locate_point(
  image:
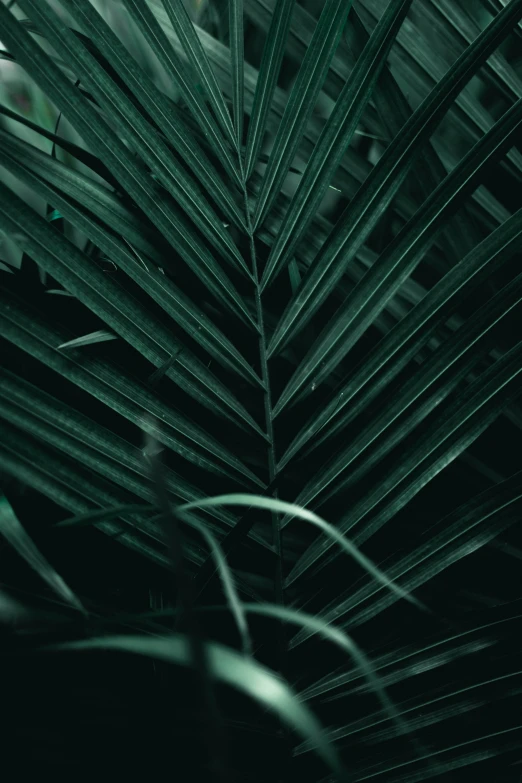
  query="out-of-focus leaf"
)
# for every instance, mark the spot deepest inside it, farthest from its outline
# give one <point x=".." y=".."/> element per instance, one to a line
<point x="12" y="530"/>
<point x="231" y="668"/>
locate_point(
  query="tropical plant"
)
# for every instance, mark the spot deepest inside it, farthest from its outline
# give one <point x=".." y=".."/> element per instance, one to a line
<point x="267" y="276"/>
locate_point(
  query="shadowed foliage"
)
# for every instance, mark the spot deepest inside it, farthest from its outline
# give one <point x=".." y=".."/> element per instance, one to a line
<point x="260" y="423"/>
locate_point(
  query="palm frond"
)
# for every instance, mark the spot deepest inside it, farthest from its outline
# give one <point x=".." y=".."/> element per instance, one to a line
<point x="282" y="242"/>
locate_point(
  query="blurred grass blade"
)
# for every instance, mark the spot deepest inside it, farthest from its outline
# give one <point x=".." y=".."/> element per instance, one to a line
<point x="237" y="58"/>
<point x="89" y="444"/>
<point x="12" y="612"/>
<point x="197" y="57"/>
<point x="235" y="605"/>
<point x="463" y="421"/>
<point x="15" y="534"/>
<point x="275" y="505"/>
<point x="363" y="212"/>
<point x="232" y="669"/>
<point x="335" y="139"/>
<point x="272" y="58"/>
<point x="56" y="479"/>
<point x="89" y="339"/>
<point x="311" y="624"/>
<point x="400" y="258"/>
<point x="301" y="103"/>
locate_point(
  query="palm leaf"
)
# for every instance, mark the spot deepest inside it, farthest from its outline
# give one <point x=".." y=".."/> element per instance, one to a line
<point x="237" y="54"/>
<point x="385" y="180"/>
<point x="301" y="103"/>
<point x="273" y="52"/>
<point x="335" y="139"/>
<point x="192" y="47"/>
<point x="448" y="196"/>
<point x="328" y="230"/>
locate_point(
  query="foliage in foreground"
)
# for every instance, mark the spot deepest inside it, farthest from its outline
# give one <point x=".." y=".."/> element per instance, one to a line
<point x="277" y="259"/>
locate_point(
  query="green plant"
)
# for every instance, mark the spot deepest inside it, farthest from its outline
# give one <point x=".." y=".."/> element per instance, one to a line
<point x="297" y="275"/>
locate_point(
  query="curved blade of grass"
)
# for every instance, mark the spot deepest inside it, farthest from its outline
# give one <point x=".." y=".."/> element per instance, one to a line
<point x="21" y="326"/>
<point x="170" y="298"/>
<point x="458" y="538"/>
<point x="231" y="668"/>
<point x="58" y="472"/>
<point x="301" y="102"/>
<point x="272" y="504"/>
<point x="163" y="112"/>
<point x="118" y="158"/>
<point x="14" y="533"/>
<point x="316" y="625"/>
<point x="41" y="415"/>
<point x="81" y="276"/>
<point x="406" y="661"/>
<point x="362" y="214"/>
<point x="149" y="25"/>
<point x="197" y="57"/>
<point x="237" y="58"/>
<point x="432" y="712"/>
<point x="468" y="416"/>
<point x="335" y="139"/>
<point x="400" y="258"/>
<point x="235" y="605"/>
<point x="271" y="60"/>
<point x="411" y="333"/>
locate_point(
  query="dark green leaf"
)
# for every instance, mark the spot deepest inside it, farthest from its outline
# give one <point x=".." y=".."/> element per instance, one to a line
<point x="335" y="139"/>
<point x="362" y="214"/>
<point x="301" y="102"/>
<point x="400" y="258"/>
<point x="272" y="58"/>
